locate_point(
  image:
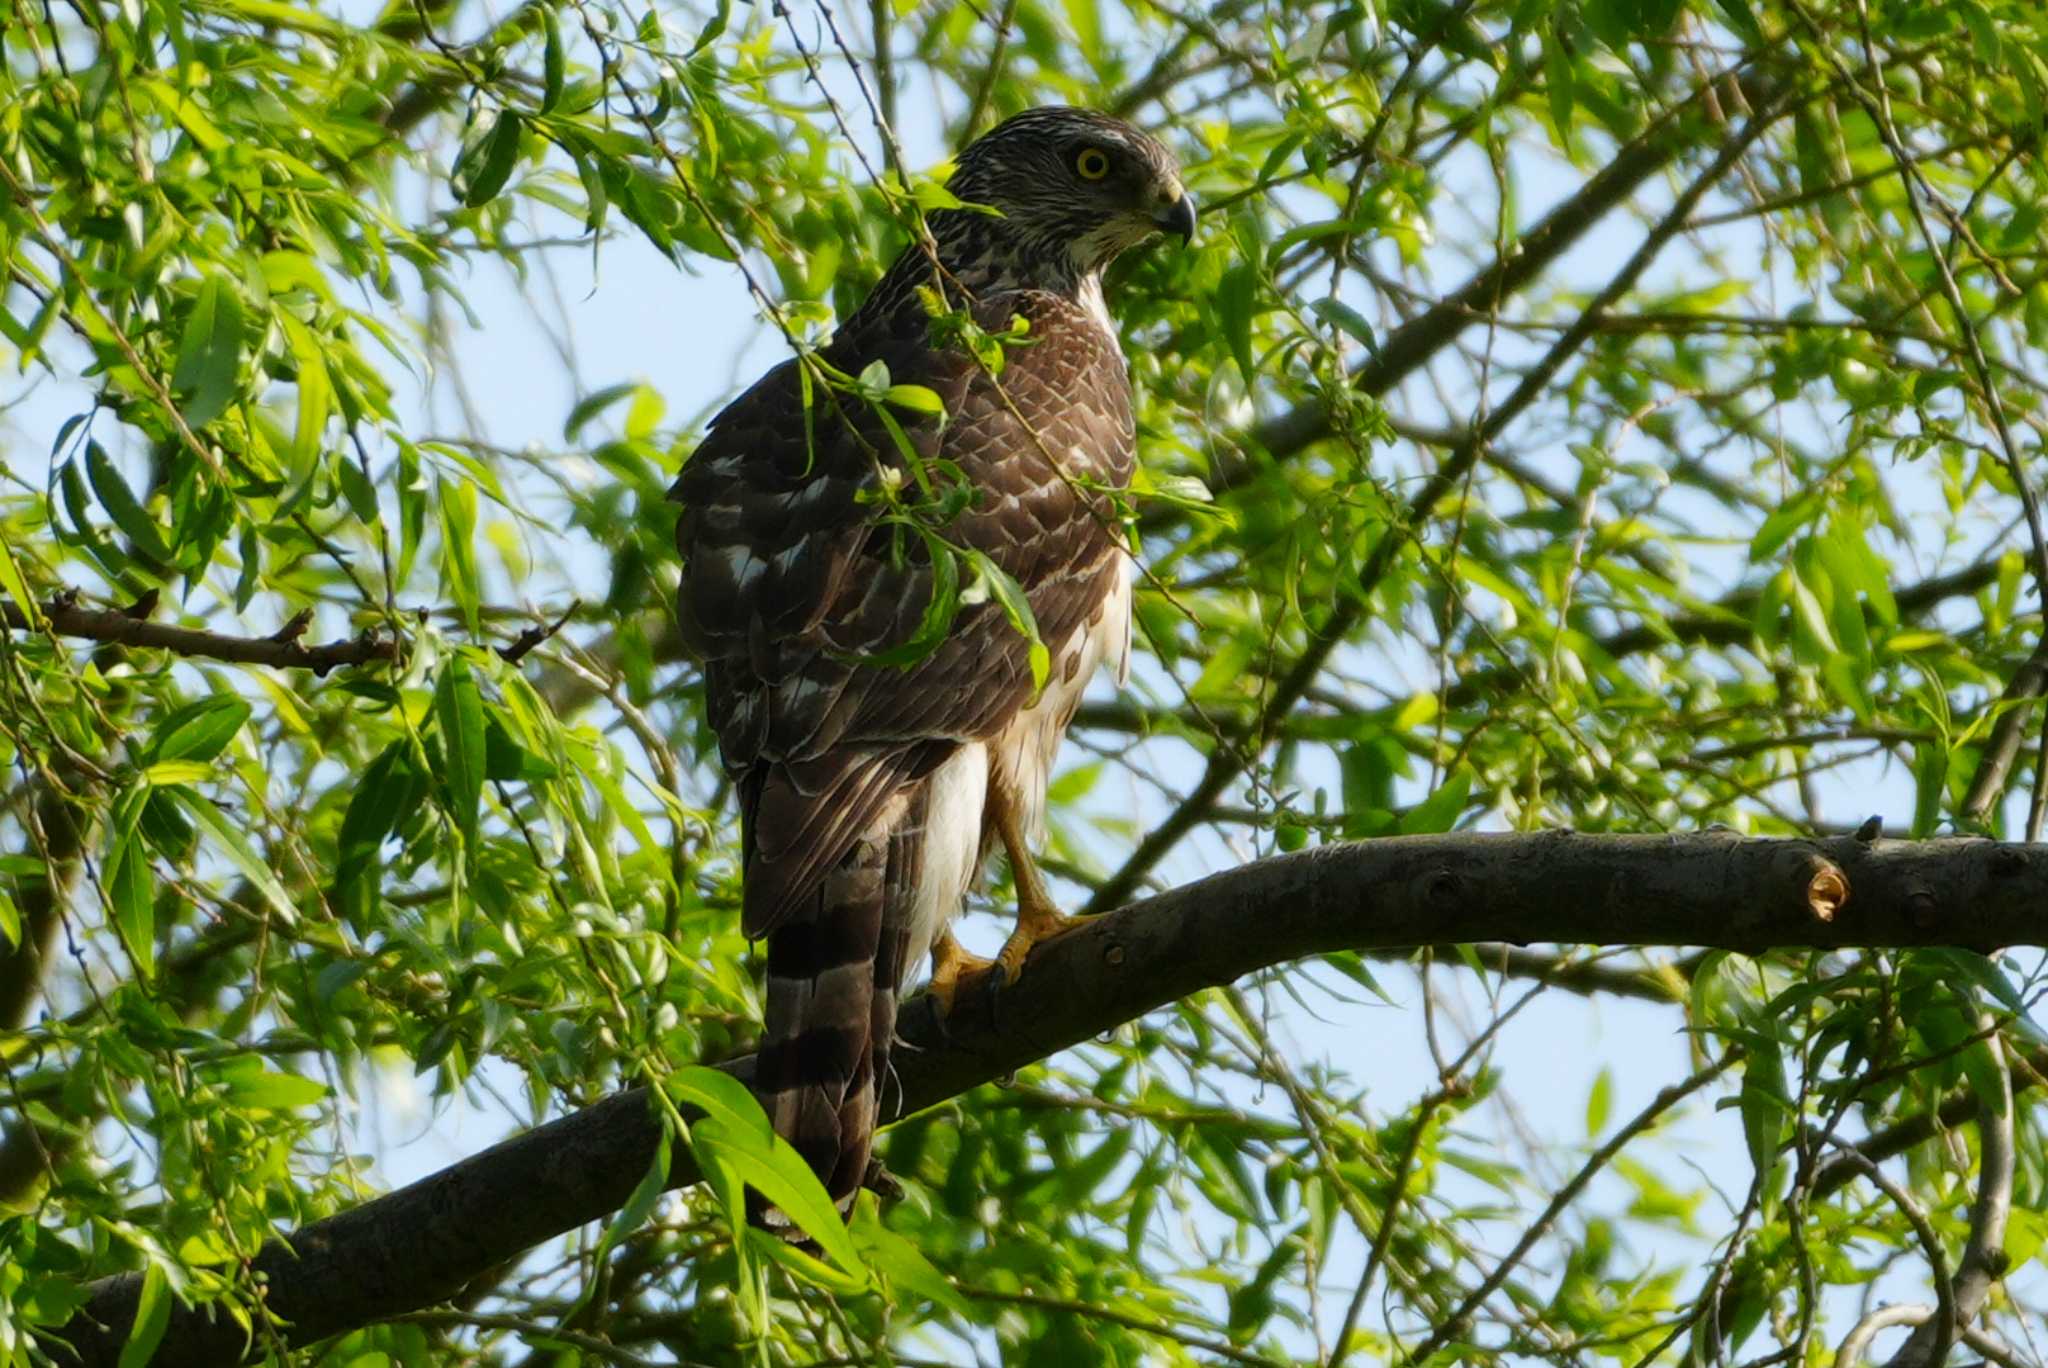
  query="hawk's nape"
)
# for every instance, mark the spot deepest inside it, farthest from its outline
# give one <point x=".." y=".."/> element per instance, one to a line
<point x="871" y="793"/>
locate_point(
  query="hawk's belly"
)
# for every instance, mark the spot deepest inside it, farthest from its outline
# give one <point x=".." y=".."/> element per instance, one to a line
<point x="1025" y="749"/>
<point x="958" y="828"/>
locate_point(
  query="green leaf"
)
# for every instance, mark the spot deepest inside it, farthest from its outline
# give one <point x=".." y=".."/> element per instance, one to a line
<point x="17" y="588"/>
<point x="901" y="1263"/>
<point x="1439" y="812"/>
<point x="459" y="714"/>
<point x="800" y="1264"/>
<point x="457" y="504"/>
<point x="640" y="1204"/>
<point x="487" y="157"/>
<point x="1342" y="316"/>
<point x="209" y="352"/>
<point x="239" y="852"/>
<point x="554" y="66"/>
<point x="1766" y="1112"/>
<point x="165" y="773"/>
<point x="718" y="1094"/>
<point x="917" y="399"/>
<point x="198" y="731"/>
<point x="591" y="405"/>
<point x="121" y="505"/>
<point x="152" y="1318"/>
<point x="940" y="608"/>
<point x="10" y="921"/>
<point x="644" y="414"/>
<point x="268" y="1090"/>
<point x="1599" y="1102"/>
<point x="316" y="392"/>
<point x="1783" y="523"/>
<point x="735" y="1133"/>
<point x="1559" y="84"/>
<point x="131" y="888"/>
<point x="768" y="1164"/>
<point x="1235" y="294"/>
<point x="1009" y="595"/>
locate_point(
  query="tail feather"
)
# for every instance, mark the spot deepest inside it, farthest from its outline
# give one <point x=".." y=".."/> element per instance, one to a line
<point x="835" y="965"/>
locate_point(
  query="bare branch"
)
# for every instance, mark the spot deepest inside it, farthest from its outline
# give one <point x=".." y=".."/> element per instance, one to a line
<point x="1983" y="1261"/>
<point x="281" y="651"/>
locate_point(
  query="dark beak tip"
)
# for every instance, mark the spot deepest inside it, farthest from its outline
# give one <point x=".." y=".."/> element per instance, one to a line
<point x="1178" y="219"/>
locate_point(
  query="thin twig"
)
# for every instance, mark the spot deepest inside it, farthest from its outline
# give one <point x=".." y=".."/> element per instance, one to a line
<point x="1667" y="1098"/>
<point x="1221" y="1348"/>
<point x="536" y="634"/>
<point x="1930" y="1245"/>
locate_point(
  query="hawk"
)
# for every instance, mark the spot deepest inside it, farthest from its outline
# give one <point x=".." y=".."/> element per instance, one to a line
<point x="874" y="776"/>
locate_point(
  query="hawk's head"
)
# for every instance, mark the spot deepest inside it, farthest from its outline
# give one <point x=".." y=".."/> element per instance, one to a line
<point x="1073" y="186"/>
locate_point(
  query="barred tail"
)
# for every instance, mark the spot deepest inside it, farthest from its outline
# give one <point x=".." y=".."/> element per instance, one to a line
<point x="835" y="966"/>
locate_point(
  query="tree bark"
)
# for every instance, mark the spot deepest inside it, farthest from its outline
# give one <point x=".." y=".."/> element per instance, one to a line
<point x="422" y="1244"/>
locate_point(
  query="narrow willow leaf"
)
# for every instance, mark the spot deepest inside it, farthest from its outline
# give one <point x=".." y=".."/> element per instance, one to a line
<point x="803" y="1266"/>
<point x="201" y="730"/>
<point x="772" y="1167"/>
<point x="122" y="506"/>
<point x="593" y="404"/>
<point x="487" y="158"/>
<point x="916" y="398"/>
<point x="210" y="352"/>
<point x="165" y="773"/>
<point x="131" y="888"/>
<point x="1009" y="595"/>
<point x="267" y="1090"/>
<point x="901" y="1262"/>
<point x="940" y="608"/>
<point x="239" y="852"/>
<point x="736" y="1132"/>
<point x="17" y="588"/>
<point x="459" y="715"/>
<point x="152" y="1318"/>
<point x="457" y="504"/>
<point x="1439" y="812"/>
<point x="554" y="67"/>
<point x="316" y="393"/>
<point x="630" y="1217"/>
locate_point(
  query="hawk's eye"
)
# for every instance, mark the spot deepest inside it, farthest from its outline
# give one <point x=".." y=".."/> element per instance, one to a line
<point x="1092" y="163"/>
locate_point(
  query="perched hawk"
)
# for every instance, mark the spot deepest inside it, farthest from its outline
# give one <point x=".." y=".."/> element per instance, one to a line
<point x="870" y="793"/>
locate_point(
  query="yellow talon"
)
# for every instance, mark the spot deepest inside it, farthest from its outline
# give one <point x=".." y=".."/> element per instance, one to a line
<point x="950" y="963"/>
<point x="1038" y="916"/>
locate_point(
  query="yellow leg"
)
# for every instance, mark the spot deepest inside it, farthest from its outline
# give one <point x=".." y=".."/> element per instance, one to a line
<point x="1038" y="917"/>
<point x="951" y="963"/>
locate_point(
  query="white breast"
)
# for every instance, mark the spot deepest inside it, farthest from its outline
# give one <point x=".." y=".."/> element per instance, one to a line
<point x="1021" y="757"/>
<point x="1026" y="749"/>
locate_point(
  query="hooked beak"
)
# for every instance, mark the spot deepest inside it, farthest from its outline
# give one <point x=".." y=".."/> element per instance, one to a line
<point x="1178" y="218"/>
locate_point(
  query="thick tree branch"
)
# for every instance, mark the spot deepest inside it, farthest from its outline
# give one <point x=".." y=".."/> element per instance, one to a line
<point x="420" y="1245"/>
<point x="282" y="651"/>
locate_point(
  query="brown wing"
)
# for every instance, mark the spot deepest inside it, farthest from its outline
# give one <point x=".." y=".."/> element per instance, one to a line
<point x="785" y="576"/>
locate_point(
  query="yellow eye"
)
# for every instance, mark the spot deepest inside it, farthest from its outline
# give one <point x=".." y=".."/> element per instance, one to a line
<point x="1093" y="163"/>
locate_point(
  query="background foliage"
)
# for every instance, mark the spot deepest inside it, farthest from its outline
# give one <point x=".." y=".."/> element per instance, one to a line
<point x="1623" y="415"/>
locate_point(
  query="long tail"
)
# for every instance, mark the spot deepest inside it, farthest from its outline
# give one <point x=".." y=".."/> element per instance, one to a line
<point x="834" y="969"/>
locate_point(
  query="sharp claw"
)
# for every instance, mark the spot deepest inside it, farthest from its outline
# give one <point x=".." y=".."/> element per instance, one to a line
<point x="996" y="978"/>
